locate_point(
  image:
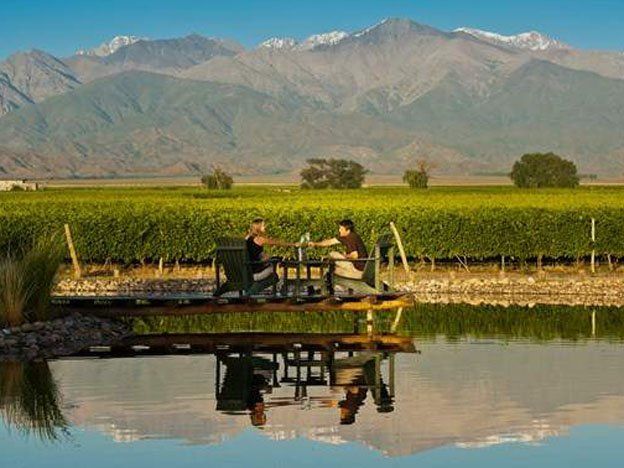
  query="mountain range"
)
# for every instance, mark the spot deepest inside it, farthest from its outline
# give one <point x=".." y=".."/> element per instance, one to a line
<point x="467" y="100"/>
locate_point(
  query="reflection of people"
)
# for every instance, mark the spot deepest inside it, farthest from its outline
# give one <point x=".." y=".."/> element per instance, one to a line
<point x="255" y="401"/>
<point x="256" y="240"/>
<point x="354" y="398"/>
<point x="354" y="247"/>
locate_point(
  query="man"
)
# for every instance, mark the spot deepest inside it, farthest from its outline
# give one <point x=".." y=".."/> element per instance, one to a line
<point x="354" y="248"/>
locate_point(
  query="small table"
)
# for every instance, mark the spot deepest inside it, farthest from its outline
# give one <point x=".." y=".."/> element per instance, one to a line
<point x="309" y="265"/>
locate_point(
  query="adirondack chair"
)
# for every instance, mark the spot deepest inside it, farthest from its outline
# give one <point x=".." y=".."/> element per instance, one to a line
<point x="232" y="255"/>
<point x="371" y="279"/>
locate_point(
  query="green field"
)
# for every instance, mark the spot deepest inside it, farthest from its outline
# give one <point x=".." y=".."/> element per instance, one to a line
<point x="133" y="224"/>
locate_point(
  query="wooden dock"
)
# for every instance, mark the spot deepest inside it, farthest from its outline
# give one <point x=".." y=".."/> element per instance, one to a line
<point x="194" y="304"/>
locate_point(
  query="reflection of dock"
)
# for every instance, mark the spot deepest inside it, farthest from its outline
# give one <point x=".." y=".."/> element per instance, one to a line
<point x="250" y="366"/>
<point x="250" y="342"/>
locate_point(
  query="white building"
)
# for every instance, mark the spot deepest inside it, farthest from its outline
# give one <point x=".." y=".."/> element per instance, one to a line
<point x="8" y="185"/>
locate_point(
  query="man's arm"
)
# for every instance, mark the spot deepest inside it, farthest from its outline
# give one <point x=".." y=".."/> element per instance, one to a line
<point x="325" y="243"/>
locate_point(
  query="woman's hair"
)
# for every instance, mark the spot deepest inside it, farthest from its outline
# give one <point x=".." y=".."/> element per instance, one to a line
<point x="254" y="228"/>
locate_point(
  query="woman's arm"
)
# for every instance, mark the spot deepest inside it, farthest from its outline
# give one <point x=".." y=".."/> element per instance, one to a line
<point x="275" y="242"/>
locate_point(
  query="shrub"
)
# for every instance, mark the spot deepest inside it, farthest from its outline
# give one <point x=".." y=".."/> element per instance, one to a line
<point x="217" y="179"/>
<point x="539" y="170"/>
<point x="333" y="173"/>
<point x="416" y="179"/>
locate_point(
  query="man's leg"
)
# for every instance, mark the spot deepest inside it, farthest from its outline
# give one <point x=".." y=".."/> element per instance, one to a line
<point x="345" y="269"/>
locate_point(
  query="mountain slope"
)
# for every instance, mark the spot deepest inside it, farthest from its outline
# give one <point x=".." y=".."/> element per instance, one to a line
<point x="143" y="123"/>
<point x="164" y="55"/>
<point x="540" y="107"/>
<point x="32" y="77"/>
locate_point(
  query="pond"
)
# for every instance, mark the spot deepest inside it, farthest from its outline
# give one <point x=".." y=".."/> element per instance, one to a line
<point x="431" y="386"/>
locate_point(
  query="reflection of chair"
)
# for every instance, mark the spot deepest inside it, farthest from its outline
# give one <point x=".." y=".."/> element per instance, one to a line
<point x="371" y="279"/>
<point x="242" y="382"/>
<point x="232" y="255"/>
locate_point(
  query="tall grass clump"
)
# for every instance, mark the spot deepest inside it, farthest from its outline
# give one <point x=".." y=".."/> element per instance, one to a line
<point x="14" y="292"/>
<point x="26" y="281"/>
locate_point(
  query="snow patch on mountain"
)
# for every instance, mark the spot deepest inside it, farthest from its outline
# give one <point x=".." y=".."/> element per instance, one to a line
<point x="110" y="47"/>
<point x="531" y="40"/>
<point x="330" y="38"/>
<point x="280" y="43"/>
<point x="363" y="32"/>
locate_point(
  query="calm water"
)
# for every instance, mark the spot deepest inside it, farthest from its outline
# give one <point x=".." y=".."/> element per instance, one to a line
<point x="437" y="387"/>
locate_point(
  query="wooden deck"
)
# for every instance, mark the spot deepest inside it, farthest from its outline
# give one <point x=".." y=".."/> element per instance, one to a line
<point x="194" y="304"/>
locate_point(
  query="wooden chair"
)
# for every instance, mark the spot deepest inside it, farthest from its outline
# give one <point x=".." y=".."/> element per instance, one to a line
<point x="371" y="279"/>
<point x="232" y="255"/>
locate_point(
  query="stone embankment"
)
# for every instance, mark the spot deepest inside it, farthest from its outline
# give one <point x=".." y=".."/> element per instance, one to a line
<point x="588" y="291"/>
<point x="59" y="337"/>
<point x="564" y="289"/>
<point x="131" y="286"/>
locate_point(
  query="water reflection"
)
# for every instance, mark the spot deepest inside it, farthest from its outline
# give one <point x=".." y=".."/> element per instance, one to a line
<point x="30" y="400"/>
<point x="353" y="375"/>
<point x="480" y="378"/>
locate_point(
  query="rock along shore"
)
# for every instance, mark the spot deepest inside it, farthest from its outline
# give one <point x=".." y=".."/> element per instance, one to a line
<point x="59" y="337"/>
<point x="486" y="288"/>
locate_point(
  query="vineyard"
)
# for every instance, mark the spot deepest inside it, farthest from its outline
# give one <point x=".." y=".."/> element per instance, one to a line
<point x="137" y="224"/>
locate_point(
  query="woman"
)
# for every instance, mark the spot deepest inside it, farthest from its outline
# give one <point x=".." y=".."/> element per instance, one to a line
<point x="256" y="240"/>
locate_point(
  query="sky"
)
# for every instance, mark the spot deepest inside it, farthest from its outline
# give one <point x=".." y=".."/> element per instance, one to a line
<point x="62" y="26"/>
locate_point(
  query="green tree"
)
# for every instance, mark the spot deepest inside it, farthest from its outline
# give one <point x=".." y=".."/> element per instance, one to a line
<point x="217" y="179"/>
<point x="419" y="177"/>
<point x="538" y="170"/>
<point x="332" y="173"/>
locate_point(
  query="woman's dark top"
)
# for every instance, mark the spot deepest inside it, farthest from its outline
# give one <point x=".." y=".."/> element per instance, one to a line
<point x="353" y="243"/>
<point x="255" y="255"/>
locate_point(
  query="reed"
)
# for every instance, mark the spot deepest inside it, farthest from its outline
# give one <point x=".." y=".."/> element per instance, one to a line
<point x="26" y="281"/>
<point x="41" y="263"/>
<point x="14" y="290"/>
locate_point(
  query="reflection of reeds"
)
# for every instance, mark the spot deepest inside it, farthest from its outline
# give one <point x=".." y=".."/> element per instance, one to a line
<point x="30" y="400"/>
<point x="542" y="322"/>
<point x="26" y="281"/>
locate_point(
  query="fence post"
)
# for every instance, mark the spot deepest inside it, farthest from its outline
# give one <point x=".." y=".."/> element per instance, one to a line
<point x="72" y="253"/>
<point x="593" y="238"/>
<point x="401" y="249"/>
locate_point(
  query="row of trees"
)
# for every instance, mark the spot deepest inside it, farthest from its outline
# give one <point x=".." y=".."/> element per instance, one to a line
<point x="536" y="170"/>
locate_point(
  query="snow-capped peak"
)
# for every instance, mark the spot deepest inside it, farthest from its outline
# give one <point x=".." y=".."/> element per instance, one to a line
<point x="531" y="40"/>
<point x="110" y="47"/>
<point x="330" y="38"/>
<point x="285" y="43"/>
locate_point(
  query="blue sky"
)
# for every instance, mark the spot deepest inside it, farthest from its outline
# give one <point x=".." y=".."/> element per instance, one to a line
<point x="62" y="26"/>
